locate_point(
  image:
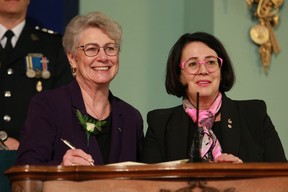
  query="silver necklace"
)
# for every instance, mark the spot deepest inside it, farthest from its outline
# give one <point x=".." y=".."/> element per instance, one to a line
<point x="98" y="117"/>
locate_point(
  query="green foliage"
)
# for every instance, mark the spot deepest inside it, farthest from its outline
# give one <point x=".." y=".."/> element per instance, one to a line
<point x="90" y="125"/>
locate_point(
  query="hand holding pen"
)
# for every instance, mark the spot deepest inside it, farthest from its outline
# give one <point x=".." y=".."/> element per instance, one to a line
<point x="78" y="155"/>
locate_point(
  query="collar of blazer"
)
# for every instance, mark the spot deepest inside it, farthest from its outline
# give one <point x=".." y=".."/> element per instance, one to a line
<point x="230" y="123"/>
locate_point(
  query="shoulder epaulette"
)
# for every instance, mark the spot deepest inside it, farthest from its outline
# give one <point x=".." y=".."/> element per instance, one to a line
<point x="45" y="30"/>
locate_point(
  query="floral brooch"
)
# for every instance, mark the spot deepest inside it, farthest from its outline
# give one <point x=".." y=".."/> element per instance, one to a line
<point x="90" y="125"/>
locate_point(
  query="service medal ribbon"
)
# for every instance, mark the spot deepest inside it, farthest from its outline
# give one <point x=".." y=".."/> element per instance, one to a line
<point x="37" y="66"/>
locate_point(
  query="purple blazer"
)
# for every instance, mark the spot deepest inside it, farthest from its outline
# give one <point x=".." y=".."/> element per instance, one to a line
<point x="51" y="116"/>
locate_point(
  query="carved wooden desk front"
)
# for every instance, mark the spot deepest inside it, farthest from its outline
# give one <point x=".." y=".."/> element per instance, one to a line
<point x="208" y="177"/>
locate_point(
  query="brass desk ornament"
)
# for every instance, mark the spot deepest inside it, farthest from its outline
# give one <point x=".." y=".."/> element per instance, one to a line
<point x="267" y="13"/>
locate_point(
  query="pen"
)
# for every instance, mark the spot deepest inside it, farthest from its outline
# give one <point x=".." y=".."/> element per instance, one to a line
<point x="68" y="144"/>
<point x="72" y="147"/>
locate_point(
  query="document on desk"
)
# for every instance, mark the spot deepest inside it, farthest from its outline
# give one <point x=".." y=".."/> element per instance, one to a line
<point x="125" y="163"/>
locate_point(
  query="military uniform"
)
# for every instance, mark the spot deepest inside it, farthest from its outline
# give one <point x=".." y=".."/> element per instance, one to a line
<point x="37" y="63"/>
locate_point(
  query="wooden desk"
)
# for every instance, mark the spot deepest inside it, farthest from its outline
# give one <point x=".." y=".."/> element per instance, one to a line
<point x="209" y="177"/>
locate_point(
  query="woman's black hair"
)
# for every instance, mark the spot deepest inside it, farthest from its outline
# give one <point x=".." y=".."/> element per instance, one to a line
<point x="173" y="71"/>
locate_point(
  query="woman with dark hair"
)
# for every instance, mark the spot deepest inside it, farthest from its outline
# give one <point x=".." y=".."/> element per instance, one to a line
<point x="200" y="71"/>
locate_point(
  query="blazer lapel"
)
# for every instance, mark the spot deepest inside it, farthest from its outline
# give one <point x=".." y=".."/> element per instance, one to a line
<point x="178" y="134"/>
<point x="117" y="128"/>
<point x="78" y="103"/>
<point x="230" y="126"/>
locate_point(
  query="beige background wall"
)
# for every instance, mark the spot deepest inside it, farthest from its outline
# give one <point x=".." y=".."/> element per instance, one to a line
<point x="152" y="26"/>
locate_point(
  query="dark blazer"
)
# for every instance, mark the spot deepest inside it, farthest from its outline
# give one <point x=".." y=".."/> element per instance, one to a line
<point x="246" y="132"/>
<point x="16" y="88"/>
<point x="52" y="116"/>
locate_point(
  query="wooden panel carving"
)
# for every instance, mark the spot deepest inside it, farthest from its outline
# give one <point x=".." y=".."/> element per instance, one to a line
<point x="262" y="34"/>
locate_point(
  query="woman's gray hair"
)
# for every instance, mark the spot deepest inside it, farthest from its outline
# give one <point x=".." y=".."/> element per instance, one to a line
<point x="79" y="23"/>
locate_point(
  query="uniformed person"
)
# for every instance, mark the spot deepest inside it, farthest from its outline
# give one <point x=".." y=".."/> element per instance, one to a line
<point x="35" y="63"/>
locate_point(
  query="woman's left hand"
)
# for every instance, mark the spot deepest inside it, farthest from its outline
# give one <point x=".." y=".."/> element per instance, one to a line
<point x="228" y="158"/>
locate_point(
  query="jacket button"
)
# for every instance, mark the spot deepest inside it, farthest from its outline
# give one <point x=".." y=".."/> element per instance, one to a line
<point x="9" y="71"/>
<point x="7" y="94"/>
<point x="7" y="118"/>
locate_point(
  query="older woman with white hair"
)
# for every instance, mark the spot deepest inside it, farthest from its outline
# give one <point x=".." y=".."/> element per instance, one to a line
<point x="84" y="123"/>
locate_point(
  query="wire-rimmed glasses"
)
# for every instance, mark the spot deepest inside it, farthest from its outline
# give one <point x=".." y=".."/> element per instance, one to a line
<point x="211" y="63"/>
<point x="92" y="49"/>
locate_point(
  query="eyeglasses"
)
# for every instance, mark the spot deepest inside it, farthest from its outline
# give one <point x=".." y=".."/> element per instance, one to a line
<point x="92" y="49"/>
<point x="211" y="63"/>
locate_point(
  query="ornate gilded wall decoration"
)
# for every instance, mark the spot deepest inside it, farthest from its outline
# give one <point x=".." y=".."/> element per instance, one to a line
<point x="267" y="14"/>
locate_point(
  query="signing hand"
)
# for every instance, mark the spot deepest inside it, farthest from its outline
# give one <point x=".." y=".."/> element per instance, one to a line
<point x="75" y="157"/>
<point x="228" y="158"/>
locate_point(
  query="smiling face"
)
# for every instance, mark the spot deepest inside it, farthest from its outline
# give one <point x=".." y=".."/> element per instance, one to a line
<point x="96" y="70"/>
<point x="207" y="84"/>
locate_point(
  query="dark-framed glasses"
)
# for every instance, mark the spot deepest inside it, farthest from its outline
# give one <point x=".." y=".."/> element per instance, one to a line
<point x="92" y="49"/>
<point x="211" y="63"/>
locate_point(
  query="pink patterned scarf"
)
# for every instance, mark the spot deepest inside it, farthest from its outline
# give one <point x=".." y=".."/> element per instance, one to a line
<point x="209" y="143"/>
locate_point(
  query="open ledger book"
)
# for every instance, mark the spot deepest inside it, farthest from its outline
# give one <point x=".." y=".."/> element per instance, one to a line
<point x="137" y="163"/>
